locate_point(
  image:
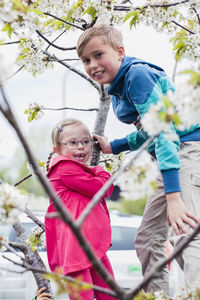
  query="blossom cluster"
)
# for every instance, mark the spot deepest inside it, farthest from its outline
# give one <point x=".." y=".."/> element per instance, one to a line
<point x="11" y="202"/>
<point x="152" y="122"/>
<point x="140" y="179"/>
<point x="186" y="100"/>
<point x="112" y="162"/>
<point x="37" y="239"/>
<point x="3" y="243"/>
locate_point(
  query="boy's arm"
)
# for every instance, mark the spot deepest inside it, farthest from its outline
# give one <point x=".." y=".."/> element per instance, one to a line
<point x="119" y="145"/>
<point x="166" y="150"/>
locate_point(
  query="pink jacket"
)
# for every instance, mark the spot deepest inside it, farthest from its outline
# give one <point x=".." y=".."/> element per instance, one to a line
<point x="76" y="184"/>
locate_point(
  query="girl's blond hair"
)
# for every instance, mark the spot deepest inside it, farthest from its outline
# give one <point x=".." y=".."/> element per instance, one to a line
<point x="56" y="133"/>
<point x="110" y="35"/>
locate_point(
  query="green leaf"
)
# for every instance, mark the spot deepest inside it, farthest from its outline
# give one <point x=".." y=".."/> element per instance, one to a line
<point x="9" y="29"/>
<point x="91" y="11"/>
<point x="128" y="16"/>
<point x="22" y="57"/>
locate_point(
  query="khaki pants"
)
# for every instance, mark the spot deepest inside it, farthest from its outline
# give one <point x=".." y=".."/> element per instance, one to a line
<point x="154" y="228"/>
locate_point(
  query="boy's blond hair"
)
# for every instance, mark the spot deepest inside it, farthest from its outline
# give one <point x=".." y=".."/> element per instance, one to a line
<point x="110" y="35"/>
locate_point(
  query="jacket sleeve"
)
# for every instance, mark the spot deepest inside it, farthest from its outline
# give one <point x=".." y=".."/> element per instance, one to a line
<point x="101" y="173"/>
<point x="75" y="177"/>
<point x="144" y="88"/>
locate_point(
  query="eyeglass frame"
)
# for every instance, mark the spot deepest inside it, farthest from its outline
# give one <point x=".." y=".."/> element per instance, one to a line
<point x="91" y="141"/>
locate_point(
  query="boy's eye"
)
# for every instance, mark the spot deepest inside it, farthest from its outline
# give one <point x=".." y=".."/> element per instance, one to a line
<point x="98" y="55"/>
<point x="86" y="61"/>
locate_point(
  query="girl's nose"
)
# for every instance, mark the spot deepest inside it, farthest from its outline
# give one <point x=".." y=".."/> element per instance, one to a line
<point x="80" y="144"/>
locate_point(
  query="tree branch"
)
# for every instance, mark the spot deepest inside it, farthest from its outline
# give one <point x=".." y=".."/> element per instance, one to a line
<point x="196" y="12"/>
<point x="13" y="74"/>
<point x="128" y="8"/>
<point x="183" y="27"/>
<point x="62" y="20"/>
<point x="163" y="262"/>
<point x="35" y="219"/>
<point x="71" y="108"/>
<point x="52" y="44"/>
<point x="73" y="70"/>
<point x="65" y="215"/>
<point x="10" y="43"/>
<point x="57" y="38"/>
<point x="27" y="267"/>
<point x="97" y="197"/>
<point x="23" y="179"/>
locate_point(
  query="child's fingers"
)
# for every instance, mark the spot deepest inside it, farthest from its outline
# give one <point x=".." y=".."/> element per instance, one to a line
<point x="40" y="291"/>
<point x="46" y="296"/>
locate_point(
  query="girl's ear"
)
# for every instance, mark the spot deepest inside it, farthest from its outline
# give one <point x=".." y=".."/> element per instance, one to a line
<point x="56" y="150"/>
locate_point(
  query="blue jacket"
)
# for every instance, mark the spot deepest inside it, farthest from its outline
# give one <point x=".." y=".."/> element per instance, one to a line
<point x="136" y="86"/>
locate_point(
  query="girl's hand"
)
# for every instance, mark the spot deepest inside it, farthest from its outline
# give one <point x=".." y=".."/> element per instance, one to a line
<point x="178" y="215"/>
<point x="104" y="143"/>
<point x="43" y="296"/>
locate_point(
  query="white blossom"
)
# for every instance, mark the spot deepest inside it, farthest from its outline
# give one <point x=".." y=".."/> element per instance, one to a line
<point x="37" y="239"/>
<point x="187" y="102"/>
<point x="140" y="179"/>
<point x="3" y="243"/>
<point x="11" y="202"/>
<point x="151" y="122"/>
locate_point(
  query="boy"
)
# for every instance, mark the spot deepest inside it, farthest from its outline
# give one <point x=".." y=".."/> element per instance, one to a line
<point x="134" y="85"/>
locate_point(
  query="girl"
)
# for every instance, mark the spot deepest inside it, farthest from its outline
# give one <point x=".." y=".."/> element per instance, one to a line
<point x="75" y="183"/>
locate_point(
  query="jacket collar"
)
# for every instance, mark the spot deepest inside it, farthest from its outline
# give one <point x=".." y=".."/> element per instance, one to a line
<point x="58" y="158"/>
<point x="117" y="86"/>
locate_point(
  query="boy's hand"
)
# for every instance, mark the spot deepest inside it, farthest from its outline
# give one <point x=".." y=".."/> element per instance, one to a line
<point x="104" y="143"/>
<point x="43" y="296"/>
<point x="178" y="215"/>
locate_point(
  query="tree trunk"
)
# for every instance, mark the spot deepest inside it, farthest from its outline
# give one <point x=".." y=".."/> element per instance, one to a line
<point x="32" y="258"/>
<point x="99" y="126"/>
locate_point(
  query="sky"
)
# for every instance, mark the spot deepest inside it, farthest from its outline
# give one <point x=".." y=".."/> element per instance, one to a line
<point x="58" y="87"/>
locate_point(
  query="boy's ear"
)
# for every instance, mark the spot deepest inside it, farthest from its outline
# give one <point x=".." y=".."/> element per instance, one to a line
<point x="121" y="51"/>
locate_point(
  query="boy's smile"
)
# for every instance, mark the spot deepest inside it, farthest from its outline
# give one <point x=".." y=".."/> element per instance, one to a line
<point x="101" y="60"/>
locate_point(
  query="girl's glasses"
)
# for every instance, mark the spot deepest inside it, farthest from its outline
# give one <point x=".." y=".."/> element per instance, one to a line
<point x="74" y="144"/>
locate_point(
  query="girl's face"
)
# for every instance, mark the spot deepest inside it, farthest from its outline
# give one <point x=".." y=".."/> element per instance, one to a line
<point x="75" y="143"/>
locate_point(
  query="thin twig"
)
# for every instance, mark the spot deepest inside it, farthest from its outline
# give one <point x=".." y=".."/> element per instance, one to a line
<point x="71" y="108"/>
<point x="13" y="74"/>
<point x="57" y="38"/>
<point x="196" y="12"/>
<point x="53" y="57"/>
<point x="97" y="197"/>
<point x="64" y="21"/>
<point x="128" y="8"/>
<point x="163" y="262"/>
<point x="183" y="27"/>
<point x="27" y="267"/>
<point x="10" y="43"/>
<point x="23" y="179"/>
<point x="174" y="71"/>
<point x="35" y="219"/>
<point x="52" y="44"/>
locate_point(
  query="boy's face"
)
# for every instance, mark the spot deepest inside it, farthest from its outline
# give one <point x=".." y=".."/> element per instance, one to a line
<point x="101" y="60"/>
